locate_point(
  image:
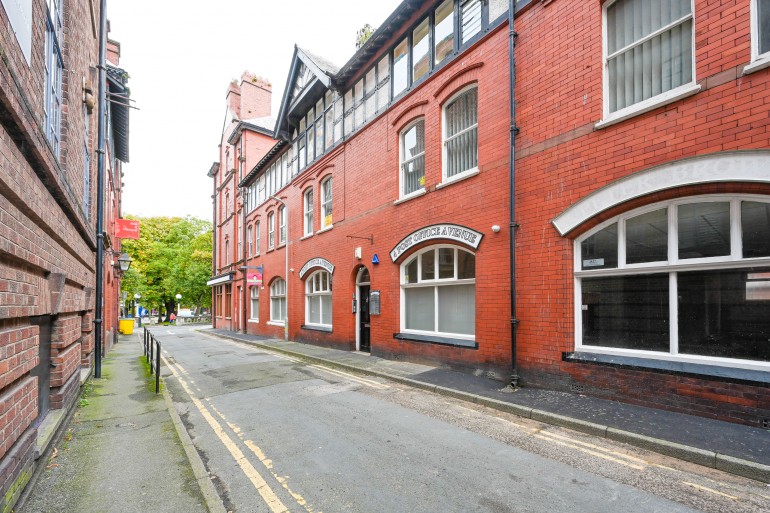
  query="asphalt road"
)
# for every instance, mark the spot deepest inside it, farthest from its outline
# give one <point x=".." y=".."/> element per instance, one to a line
<point x="277" y="434"/>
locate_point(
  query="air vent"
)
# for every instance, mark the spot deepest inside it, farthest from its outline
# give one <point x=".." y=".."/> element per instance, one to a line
<point x="764" y="423"/>
<point x="577" y="388"/>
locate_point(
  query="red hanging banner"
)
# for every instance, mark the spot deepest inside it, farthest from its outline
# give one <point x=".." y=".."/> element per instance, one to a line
<point x="126" y="229"/>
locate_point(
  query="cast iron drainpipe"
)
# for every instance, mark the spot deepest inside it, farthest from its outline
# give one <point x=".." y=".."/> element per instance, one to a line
<point x="244" y="198"/>
<point x="99" y="300"/>
<point x="514" y="130"/>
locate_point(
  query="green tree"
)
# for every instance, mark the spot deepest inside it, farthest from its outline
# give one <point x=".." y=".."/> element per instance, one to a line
<point x="172" y="256"/>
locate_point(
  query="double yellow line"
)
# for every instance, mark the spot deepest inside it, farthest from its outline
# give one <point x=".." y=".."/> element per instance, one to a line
<point x="263" y="488"/>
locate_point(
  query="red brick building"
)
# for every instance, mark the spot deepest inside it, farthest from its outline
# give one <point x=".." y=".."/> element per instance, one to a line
<point x="642" y="215"/>
<point x="48" y="170"/>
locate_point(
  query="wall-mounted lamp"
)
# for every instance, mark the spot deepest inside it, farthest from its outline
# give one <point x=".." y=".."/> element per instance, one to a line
<point x="496" y="228"/>
<point x="123" y="263"/>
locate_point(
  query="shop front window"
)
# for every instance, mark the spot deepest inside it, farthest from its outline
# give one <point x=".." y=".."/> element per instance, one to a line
<point x="683" y="280"/>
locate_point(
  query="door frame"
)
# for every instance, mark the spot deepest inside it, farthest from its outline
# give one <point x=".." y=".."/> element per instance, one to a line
<point x="358" y="285"/>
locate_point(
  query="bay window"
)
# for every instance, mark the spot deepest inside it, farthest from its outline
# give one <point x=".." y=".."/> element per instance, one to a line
<point x="685" y="280"/>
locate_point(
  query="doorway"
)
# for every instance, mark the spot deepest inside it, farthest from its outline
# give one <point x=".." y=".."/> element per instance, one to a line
<point x="362" y="316"/>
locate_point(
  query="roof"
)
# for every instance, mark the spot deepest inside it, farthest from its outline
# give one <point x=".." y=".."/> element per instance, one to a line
<point x="213" y="170"/>
<point x="272" y="152"/>
<point x="118" y="96"/>
<point x="262" y="125"/>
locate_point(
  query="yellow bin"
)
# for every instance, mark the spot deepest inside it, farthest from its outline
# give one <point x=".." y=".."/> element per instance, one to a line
<point x="126" y="326"/>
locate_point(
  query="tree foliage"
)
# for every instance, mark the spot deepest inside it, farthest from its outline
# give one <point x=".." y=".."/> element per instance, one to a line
<point x="172" y="256"/>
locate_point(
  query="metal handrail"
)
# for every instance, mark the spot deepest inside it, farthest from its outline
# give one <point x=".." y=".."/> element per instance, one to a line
<point x="152" y="353"/>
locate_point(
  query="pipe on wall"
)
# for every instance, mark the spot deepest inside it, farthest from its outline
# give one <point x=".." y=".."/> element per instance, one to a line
<point x="512" y="188"/>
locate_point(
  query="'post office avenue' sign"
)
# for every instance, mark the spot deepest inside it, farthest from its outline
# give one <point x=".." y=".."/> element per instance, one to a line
<point x="452" y="232"/>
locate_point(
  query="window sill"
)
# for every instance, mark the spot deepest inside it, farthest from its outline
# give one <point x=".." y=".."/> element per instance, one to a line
<point x="411" y="196"/>
<point x="253" y="321"/>
<point x="761" y="62"/>
<point x="686" y="369"/>
<point x="433" y="339"/>
<point x="282" y="245"/>
<point x="325" y="229"/>
<point x="306" y="236"/>
<point x="316" y="327"/>
<point x="458" y="178"/>
<point x="649" y="104"/>
<point x="276" y="323"/>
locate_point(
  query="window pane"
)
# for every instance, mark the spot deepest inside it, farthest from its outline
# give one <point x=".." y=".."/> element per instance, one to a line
<point x="471" y="19"/>
<point x="457" y="309"/>
<point x="444" y="30"/>
<point x="497" y="8"/>
<point x="348" y="112"/>
<point x="420" y="308"/>
<point x="628" y="312"/>
<point x="725" y="314"/>
<point x="755" y="221"/>
<point x="326" y="309"/>
<point x="763" y="13"/>
<point x="400" y="67"/>
<point x="446" y="263"/>
<point x="310" y="144"/>
<point x="420" y="50"/>
<point x="411" y="272"/>
<point x="647" y="237"/>
<point x="600" y="250"/>
<point x="370" y="94"/>
<point x="429" y="265"/>
<point x="358" y="98"/>
<point x="466" y="265"/>
<point x="383" y="83"/>
<point x="314" y="309"/>
<point x="704" y="230"/>
<point x="461" y="133"/>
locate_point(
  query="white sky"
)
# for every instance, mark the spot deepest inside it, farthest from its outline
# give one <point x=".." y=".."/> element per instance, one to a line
<point x="181" y="56"/>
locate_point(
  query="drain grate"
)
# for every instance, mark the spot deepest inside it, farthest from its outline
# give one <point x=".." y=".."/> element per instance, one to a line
<point x="577" y="388"/>
<point x="765" y="423"/>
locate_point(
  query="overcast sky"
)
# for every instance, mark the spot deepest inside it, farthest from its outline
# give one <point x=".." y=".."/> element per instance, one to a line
<point x="181" y="56"/>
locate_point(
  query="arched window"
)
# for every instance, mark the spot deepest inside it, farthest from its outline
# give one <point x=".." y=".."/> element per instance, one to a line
<point x="326" y="203"/>
<point x="254" y="303"/>
<point x="258" y="244"/>
<point x="461" y="143"/>
<point x="685" y="280"/>
<point x="412" y="143"/>
<point x="278" y="301"/>
<point x="438" y="292"/>
<point x="281" y="225"/>
<point x="250" y="239"/>
<point x="318" y="299"/>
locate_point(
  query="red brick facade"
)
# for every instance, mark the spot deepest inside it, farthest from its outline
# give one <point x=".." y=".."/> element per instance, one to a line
<point x="48" y="228"/>
<point x="567" y="152"/>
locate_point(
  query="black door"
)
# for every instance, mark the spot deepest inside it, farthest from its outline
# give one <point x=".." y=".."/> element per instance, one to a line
<point x="43" y="369"/>
<point x="363" y="319"/>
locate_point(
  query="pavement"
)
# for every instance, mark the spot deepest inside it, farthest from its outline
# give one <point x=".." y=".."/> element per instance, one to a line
<point x="125" y="449"/>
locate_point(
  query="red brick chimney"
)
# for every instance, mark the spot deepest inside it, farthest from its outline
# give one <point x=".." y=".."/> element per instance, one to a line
<point x="234" y="98"/>
<point x="256" y="96"/>
<point x="113" y="52"/>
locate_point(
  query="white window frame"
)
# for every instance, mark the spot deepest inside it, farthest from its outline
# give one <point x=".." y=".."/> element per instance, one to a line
<point x="281" y="225"/>
<point x="327" y="202"/>
<point x="468" y="172"/>
<point x="271" y="231"/>
<point x="250" y="239"/>
<point x="758" y="60"/>
<point x="54" y="71"/>
<point x="307" y="200"/>
<point x="402" y="161"/>
<point x="254" y="301"/>
<point x="673" y="265"/>
<point x="435" y="283"/>
<point x="313" y="288"/>
<point x="278" y="293"/>
<point x="649" y="104"/>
